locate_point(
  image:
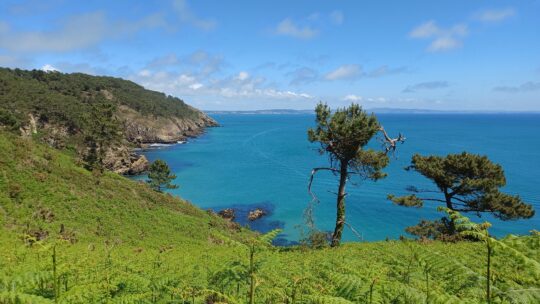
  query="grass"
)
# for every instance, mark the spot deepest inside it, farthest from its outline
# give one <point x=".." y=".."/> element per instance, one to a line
<point x="115" y="240"/>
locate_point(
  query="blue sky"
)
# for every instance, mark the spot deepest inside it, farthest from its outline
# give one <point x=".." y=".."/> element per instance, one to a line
<point x="240" y="55"/>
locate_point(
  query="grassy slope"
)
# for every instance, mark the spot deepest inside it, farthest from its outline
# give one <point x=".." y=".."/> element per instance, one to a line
<point x="138" y="246"/>
<point x="44" y="188"/>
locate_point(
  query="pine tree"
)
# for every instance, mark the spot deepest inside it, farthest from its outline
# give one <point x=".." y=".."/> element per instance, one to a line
<point x="102" y="132"/>
<point x="466" y="183"/>
<point x="160" y="176"/>
<point x="343" y="136"/>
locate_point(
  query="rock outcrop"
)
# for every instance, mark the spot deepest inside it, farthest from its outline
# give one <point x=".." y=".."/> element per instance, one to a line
<point x="141" y="129"/>
<point x="122" y="161"/>
<point x="256" y="214"/>
<point x="228" y="214"/>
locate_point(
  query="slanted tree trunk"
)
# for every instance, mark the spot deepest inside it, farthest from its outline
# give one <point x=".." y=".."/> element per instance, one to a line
<point x="449" y="205"/>
<point x="340" y="214"/>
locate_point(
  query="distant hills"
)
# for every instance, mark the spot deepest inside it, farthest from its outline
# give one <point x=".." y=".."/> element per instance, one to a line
<point x="374" y="110"/>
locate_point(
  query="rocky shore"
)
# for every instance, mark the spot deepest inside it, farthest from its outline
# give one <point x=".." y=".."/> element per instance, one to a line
<point x="143" y="132"/>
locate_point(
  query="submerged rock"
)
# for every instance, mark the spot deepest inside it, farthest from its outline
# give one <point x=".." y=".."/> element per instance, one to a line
<point x="256" y="214"/>
<point x="228" y="214"/>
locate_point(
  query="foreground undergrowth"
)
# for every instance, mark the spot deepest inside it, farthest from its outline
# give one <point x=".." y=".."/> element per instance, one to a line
<point x="67" y="236"/>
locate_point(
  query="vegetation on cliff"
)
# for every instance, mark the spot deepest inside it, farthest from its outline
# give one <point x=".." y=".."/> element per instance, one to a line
<point x="65" y="98"/>
<point x="59" y="108"/>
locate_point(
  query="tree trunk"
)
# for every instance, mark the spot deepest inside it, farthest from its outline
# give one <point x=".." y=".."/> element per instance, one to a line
<point x="340" y="214"/>
<point x="449" y="205"/>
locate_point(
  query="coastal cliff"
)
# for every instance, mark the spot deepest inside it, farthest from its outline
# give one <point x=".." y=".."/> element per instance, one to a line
<point x="54" y="107"/>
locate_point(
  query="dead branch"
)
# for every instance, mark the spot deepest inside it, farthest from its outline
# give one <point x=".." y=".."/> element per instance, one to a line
<point x="389" y="143"/>
<point x="358" y="235"/>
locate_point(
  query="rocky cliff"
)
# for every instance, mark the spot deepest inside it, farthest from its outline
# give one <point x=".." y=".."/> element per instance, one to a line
<point x="141" y="129"/>
<point x="55" y="107"/>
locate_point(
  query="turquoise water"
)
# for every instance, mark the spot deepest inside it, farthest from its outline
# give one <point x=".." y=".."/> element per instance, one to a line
<point x="265" y="160"/>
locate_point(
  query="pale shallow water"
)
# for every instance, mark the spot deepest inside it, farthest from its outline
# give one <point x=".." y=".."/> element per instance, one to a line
<point x="265" y="160"/>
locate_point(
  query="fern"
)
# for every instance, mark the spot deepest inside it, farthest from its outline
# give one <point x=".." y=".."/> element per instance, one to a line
<point x="13" y="297"/>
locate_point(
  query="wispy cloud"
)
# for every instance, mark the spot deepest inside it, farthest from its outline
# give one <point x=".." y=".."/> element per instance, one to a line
<point x="386" y="70"/>
<point x="310" y="26"/>
<point x="525" y="87"/>
<point x="430" y="85"/>
<point x="495" y="15"/>
<point x="353" y="98"/>
<point x="194" y="81"/>
<point x="76" y="32"/>
<point x="287" y="27"/>
<point x="442" y="39"/>
<point x="201" y="61"/>
<point x="345" y="72"/>
<point x="186" y="15"/>
<point x="303" y="75"/>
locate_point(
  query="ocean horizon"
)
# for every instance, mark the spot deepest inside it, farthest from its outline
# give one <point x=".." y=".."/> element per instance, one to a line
<point x="265" y="161"/>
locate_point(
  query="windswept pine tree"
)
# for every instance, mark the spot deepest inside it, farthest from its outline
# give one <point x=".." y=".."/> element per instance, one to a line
<point x="160" y="177"/>
<point x="464" y="182"/>
<point x="343" y="135"/>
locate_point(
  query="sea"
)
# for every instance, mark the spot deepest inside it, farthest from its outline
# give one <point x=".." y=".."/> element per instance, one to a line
<point x="265" y="161"/>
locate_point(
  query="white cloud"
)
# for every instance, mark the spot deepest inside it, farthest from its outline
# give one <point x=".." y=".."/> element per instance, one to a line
<point x="196" y="86"/>
<point x="77" y="32"/>
<point x="349" y="71"/>
<point x="288" y="28"/>
<point x="238" y="86"/>
<point x="49" y="68"/>
<point x="496" y="15"/>
<point x="337" y="17"/>
<point x="242" y="76"/>
<point x="353" y="98"/>
<point x="444" y="43"/>
<point x="186" y="15"/>
<point x="442" y="39"/>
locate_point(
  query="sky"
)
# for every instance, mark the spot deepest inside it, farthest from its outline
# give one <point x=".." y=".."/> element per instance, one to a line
<point x="248" y="55"/>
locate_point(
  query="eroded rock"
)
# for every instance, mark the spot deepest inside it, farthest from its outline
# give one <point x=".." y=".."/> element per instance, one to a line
<point x="256" y="214"/>
<point x="228" y="214"/>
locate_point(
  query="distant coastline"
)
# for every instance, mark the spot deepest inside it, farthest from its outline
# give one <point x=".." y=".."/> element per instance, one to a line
<point x="374" y="110"/>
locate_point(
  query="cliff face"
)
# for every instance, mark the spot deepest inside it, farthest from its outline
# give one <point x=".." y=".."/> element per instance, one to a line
<point x="142" y="129"/>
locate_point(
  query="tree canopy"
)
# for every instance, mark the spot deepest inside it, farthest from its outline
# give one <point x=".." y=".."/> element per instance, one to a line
<point x="160" y="177"/>
<point x="465" y="182"/>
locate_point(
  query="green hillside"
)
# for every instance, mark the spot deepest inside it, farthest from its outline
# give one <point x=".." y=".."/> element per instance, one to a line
<point x="65" y="110"/>
<point x="67" y="237"/>
<point x="65" y="98"/>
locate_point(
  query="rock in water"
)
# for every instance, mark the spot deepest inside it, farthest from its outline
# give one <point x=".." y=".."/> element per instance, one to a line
<point x="256" y="214"/>
<point x="227" y="214"/>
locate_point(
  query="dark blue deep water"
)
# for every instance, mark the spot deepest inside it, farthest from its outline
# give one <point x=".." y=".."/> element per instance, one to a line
<point x="265" y="160"/>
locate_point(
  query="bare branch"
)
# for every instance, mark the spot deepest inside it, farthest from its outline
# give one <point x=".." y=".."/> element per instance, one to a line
<point x="313" y="172"/>
<point x="389" y="143"/>
<point x="358" y="235"/>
